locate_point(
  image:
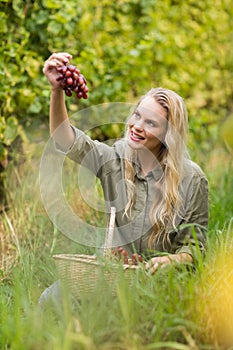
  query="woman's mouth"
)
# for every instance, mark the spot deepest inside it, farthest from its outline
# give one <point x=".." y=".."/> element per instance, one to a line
<point x="136" y="137"/>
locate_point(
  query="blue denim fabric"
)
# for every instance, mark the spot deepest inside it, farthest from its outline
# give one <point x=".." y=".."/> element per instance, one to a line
<point x="51" y="295"/>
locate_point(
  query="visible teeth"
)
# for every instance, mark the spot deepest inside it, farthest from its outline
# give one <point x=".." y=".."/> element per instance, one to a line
<point x="137" y="137"/>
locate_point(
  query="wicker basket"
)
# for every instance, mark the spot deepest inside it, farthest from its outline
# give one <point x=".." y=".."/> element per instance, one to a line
<point x="81" y="273"/>
<point x="78" y="272"/>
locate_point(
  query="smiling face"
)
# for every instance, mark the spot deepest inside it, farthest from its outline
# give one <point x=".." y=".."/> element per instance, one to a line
<point x="147" y="126"/>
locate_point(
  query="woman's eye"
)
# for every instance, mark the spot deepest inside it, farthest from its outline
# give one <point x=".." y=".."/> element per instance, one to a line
<point x="136" y="115"/>
<point x="150" y="123"/>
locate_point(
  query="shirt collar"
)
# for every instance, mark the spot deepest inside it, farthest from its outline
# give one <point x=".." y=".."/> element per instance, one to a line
<point x="156" y="173"/>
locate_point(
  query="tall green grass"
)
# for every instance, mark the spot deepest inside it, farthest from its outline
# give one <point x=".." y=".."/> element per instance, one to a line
<point x="164" y="311"/>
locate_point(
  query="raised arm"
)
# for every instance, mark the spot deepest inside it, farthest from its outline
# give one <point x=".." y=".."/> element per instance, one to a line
<point x="60" y="128"/>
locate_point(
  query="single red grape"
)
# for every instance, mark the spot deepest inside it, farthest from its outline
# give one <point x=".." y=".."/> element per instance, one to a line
<point x="75" y="76"/>
<point x="71" y="68"/>
<point x="82" y="76"/>
<point x="79" y="94"/>
<point x="81" y="86"/>
<point x="64" y="69"/>
<point x="60" y="69"/>
<point x="59" y="77"/>
<point x="68" y="73"/>
<point x="140" y="258"/>
<point x="124" y="252"/>
<point x="68" y="92"/>
<point x="81" y="80"/>
<point x="134" y="259"/>
<point x="69" y="81"/>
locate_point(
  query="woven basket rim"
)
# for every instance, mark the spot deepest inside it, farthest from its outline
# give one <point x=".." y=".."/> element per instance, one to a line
<point x="88" y="259"/>
<point x="93" y="260"/>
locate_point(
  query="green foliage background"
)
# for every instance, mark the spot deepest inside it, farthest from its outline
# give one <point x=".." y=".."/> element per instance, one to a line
<point x="124" y="48"/>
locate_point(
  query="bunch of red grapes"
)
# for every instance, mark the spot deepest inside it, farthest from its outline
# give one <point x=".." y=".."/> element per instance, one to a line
<point x="122" y="254"/>
<point x="71" y="80"/>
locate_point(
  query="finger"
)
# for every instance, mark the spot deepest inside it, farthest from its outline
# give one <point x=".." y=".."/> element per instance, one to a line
<point x="63" y="57"/>
<point x="52" y="63"/>
<point x="59" y="54"/>
<point x="149" y="264"/>
<point x="154" y="268"/>
<point x="49" y="65"/>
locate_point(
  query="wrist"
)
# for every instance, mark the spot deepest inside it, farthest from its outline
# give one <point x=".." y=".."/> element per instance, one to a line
<point x="56" y="89"/>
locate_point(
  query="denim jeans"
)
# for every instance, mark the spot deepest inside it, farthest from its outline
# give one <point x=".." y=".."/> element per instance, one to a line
<point x="51" y="295"/>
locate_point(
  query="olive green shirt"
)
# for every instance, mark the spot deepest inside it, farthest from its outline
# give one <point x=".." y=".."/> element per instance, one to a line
<point x="107" y="163"/>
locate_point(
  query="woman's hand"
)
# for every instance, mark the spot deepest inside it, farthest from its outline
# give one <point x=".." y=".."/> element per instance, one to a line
<point x="162" y="261"/>
<point x="50" y="67"/>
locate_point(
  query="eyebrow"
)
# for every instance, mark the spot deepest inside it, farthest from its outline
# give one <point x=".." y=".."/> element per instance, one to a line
<point x="151" y="113"/>
<point x="151" y="120"/>
<point x="136" y="111"/>
<point x="147" y="111"/>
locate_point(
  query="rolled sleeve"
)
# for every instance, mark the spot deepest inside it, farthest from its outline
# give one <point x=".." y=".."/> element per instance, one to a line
<point x="89" y="153"/>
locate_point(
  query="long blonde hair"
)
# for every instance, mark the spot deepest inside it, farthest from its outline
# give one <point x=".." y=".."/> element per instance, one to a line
<point x="167" y="204"/>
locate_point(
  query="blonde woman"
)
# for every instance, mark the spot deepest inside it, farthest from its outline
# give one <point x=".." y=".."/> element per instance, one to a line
<point x="160" y="195"/>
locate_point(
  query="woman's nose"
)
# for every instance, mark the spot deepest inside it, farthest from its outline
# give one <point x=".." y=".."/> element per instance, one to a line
<point x="139" y="125"/>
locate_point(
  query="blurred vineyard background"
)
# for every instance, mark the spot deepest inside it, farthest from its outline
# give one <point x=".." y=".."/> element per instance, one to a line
<point x="124" y="48"/>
